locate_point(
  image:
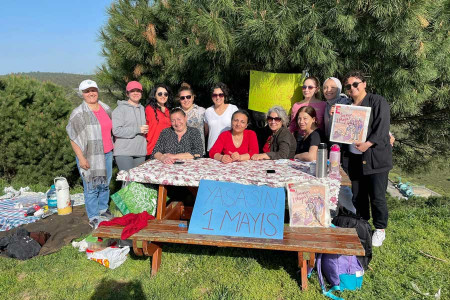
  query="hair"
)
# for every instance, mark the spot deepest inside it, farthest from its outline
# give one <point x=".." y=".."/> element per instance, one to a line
<point x="318" y="93"/>
<point x="177" y="110"/>
<point x="185" y="87"/>
<point x="241" y="111"/>
<point x="310" y="111"/>
<point x="224" y="88"/>
<point x="355" y="73"/>
<point x="152" y="98"/>
<point x="280" y="112"/>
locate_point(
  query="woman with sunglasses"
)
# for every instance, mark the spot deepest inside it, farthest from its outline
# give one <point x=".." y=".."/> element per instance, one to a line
<point x="195" y="114"/>
<point x="129" y="129"/>
<point x="281" y="144"/>
<point x="311" y="97"/>
<point x="218" y="116"/>
<point x="370" y="161"/>
<point x="308" y="145"/>
<point x="157" y="114"/>
<point x="237" y="144"/>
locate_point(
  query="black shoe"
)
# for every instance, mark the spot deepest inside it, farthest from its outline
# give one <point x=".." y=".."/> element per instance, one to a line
<point x="107" y="215"/>
<point x="93" y="223"/>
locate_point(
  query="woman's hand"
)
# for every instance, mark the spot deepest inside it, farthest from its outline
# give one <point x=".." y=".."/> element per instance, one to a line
<point x="260" y="156"/>
<point x="391" y="139"/>
<point x="226" y="159"/>
<point x="144" y="129"/>
<point x="363" y="146"/>
<point x="235" y="156"/>
<point x="332" y="109"/>
<point x="84" y="164"/>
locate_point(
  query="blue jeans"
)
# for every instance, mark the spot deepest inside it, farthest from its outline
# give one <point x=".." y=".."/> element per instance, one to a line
<point x="96" y="199"/>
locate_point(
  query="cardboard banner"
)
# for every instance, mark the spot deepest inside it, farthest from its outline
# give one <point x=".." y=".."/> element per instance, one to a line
<point x="269" y="89"/>
<point x="232" y="209"/>
<point x="308" y="205"/>
<point x="350" y="124"/>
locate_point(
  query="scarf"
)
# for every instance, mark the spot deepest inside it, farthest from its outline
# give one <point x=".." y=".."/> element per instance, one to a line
<point x="85" y="131"/>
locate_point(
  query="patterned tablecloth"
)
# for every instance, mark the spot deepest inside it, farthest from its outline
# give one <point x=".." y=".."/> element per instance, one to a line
<point x="248" y="172"/>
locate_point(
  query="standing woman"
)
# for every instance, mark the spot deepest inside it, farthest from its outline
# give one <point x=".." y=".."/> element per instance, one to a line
<point x="89" y="130"/>
<point x="308" y="145"/>
<point x="370" y="161"/>
<point x="195" y="114"/>
<point x="129" y="129"/>
<point x="218" y="116"/>
<point x="157" y="114"/>
<point x="311" y="97"/>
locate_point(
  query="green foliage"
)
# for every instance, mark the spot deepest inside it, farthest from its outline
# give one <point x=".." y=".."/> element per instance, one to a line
<point x="34" y="143"/>
<point x="67" y="80"/>
<point x="403" y="47"/>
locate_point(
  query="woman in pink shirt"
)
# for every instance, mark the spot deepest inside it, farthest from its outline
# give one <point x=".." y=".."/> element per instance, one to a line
<point x="89" y="130"/>
<point x="311" y="97"/>
<point x="237" y="144"/>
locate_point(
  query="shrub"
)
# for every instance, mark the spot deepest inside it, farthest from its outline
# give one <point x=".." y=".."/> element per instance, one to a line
<point x="34" y="146"/>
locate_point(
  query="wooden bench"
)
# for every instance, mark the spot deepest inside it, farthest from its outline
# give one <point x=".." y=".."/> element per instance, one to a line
<point x="305" y="241"/>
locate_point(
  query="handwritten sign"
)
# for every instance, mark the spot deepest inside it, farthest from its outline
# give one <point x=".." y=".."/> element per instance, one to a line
<point x="350" y="124"/>
<point x="269" y="89"/>
<point x="232" y="209"/>
<point x="308" y="205"/>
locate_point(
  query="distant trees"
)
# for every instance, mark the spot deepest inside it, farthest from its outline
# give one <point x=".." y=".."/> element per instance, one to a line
<point x="403" y="47"/>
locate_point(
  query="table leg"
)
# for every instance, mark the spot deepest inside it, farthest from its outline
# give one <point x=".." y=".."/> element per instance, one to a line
<point x="312" y="260"/>
<point x="303" y="271"/>
<point x="155" y="251"/>
<point x="161" y="205"/>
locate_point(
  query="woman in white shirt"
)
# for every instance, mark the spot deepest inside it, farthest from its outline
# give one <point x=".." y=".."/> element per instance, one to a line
<point x="218" y="116"/>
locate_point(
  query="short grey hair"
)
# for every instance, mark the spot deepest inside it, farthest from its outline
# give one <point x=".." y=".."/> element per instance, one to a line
<point x="280" y="112"/>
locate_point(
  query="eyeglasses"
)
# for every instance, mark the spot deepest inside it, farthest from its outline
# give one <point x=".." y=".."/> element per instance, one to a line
<point x="221" y="95"/>
<point x="354" y="84"/>
<point x="276" y="119"/>
<point x="188" y="97"/>
<point x="309" y="87"/>
<point x="161" y="93"/>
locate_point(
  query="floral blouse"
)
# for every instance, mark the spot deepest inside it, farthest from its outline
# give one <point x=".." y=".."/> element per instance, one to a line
<point x="195" y="118"/>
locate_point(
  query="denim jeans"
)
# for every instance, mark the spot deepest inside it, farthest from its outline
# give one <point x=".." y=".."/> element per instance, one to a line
<point x="96" y="199"/>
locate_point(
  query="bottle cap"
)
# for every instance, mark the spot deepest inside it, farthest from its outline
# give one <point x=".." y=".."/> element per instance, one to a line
<point x="53" y="186"/>
<point x="322" y="146"/>
<point x="335" y="147"/>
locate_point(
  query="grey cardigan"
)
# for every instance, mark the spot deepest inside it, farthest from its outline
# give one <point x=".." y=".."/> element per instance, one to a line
<point x="283" y="144"/>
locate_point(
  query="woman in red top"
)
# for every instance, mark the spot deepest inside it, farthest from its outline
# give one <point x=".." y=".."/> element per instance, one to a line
<point x="237" y="144"/>
<point x="157" y="114"/>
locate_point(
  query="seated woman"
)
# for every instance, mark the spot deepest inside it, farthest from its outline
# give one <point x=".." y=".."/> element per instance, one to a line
<point x="179" y="141"/>
<point x="281" y="144"/>
<point x="308" y="145"/>
<point x="237" y="144"/>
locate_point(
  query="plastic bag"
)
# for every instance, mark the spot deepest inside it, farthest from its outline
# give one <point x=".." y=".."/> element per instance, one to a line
<point x="110" y="257"/>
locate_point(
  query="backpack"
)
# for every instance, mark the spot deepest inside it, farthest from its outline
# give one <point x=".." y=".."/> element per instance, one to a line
<point x="343" y="272"/>
<point x="347" y="219"/>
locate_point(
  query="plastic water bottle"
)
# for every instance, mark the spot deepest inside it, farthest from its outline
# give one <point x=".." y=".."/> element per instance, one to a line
<point x="52" y="200"/>
<point x="335" y="159"/>
<point x="321" y="165"/>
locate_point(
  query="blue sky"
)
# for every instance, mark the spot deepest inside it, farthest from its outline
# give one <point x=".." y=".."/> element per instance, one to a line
<point x="51" y="35"/>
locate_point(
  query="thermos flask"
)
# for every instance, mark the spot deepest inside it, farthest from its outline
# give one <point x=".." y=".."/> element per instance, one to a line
<point x="321" y="161"/>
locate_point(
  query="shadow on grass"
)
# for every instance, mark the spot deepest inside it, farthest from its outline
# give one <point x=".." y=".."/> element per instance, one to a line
<point x="112" y="289"/>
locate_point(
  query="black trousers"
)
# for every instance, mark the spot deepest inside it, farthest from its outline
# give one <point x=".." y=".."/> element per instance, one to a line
<point x="369" y="192"/>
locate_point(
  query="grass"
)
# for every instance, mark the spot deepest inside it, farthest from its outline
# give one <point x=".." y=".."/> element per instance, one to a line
<point x="195" y="272"/>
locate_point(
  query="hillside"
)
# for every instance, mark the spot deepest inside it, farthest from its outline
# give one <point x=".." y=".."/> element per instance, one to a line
<point x="64" y="79"/>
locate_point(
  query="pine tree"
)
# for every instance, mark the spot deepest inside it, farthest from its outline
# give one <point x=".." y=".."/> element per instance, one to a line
<point x="402" y="46"/>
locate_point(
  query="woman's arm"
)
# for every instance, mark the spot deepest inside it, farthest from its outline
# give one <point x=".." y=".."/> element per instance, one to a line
<point x="164" y="158"/>
<point x="260" y="156"/>
<point x="311" y="155"/>
<point x="223" y="158"/>
<point x="84" y="164"/>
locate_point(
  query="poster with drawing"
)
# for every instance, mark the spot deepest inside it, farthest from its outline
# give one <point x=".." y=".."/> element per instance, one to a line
<point x="308" y="205"/>
<point x="350" y="124"/>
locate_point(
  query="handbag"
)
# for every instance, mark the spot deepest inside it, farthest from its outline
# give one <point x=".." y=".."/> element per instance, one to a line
<point x="136" y="198"/>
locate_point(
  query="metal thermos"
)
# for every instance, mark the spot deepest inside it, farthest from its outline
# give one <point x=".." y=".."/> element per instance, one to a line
<point x="321" y="161"/>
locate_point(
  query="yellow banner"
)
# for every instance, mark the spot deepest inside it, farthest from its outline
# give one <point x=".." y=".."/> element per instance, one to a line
<point x="269" y="89"/>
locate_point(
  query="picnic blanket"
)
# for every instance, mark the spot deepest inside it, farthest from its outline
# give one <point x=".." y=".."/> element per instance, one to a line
<point x="11" y="217"/>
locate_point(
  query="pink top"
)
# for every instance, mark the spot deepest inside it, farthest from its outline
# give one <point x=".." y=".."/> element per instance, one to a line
<point x="224" y="144"/>
<point x="155" y="126"/>
<point x="106" y="125"/>
<point x="320" y="111"/>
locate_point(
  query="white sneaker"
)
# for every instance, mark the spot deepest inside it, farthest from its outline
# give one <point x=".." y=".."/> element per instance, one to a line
<point x="378" y="237"/>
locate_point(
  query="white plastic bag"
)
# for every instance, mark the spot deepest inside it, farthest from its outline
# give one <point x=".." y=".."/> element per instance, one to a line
<point x="110" y="257"/>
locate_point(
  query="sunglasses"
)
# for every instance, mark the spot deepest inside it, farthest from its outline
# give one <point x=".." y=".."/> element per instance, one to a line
<point x="276" y="119"/>
<point x="354" y="84"/>
<point x="218" y="95"/>
<point x="161" y="93"/>
<point x="309" y="87"/>
<point x="188" y="97"/>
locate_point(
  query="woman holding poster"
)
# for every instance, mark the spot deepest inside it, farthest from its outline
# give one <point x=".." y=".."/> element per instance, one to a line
<point x="370" y="161"/>
<point x="311" y="97"/>
<point x="308" y="145"/>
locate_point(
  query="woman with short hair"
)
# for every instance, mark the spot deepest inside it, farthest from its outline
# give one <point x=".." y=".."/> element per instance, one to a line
<point x="281" y="144"/>
<point x="308" y="145"/>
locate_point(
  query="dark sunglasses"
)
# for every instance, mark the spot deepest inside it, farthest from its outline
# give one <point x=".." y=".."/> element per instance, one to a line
<point x="185" y="97"/>
<point x="161" y="93"/>
<point x="309" y="87"/>
<point x="354" y="84"/>
<point x="218" y="95"/>
<point x="276" y="119"/>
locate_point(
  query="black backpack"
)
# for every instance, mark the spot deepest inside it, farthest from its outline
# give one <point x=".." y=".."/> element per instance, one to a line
<point x="348" y="219"/>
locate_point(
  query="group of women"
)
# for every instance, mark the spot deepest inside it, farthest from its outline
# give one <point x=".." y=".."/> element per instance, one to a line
<point x="220" y="132"/>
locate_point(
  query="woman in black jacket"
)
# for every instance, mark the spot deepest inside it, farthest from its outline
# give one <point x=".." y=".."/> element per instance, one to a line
<point x="281" y="144"/>
<point x="370" y="161"/>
